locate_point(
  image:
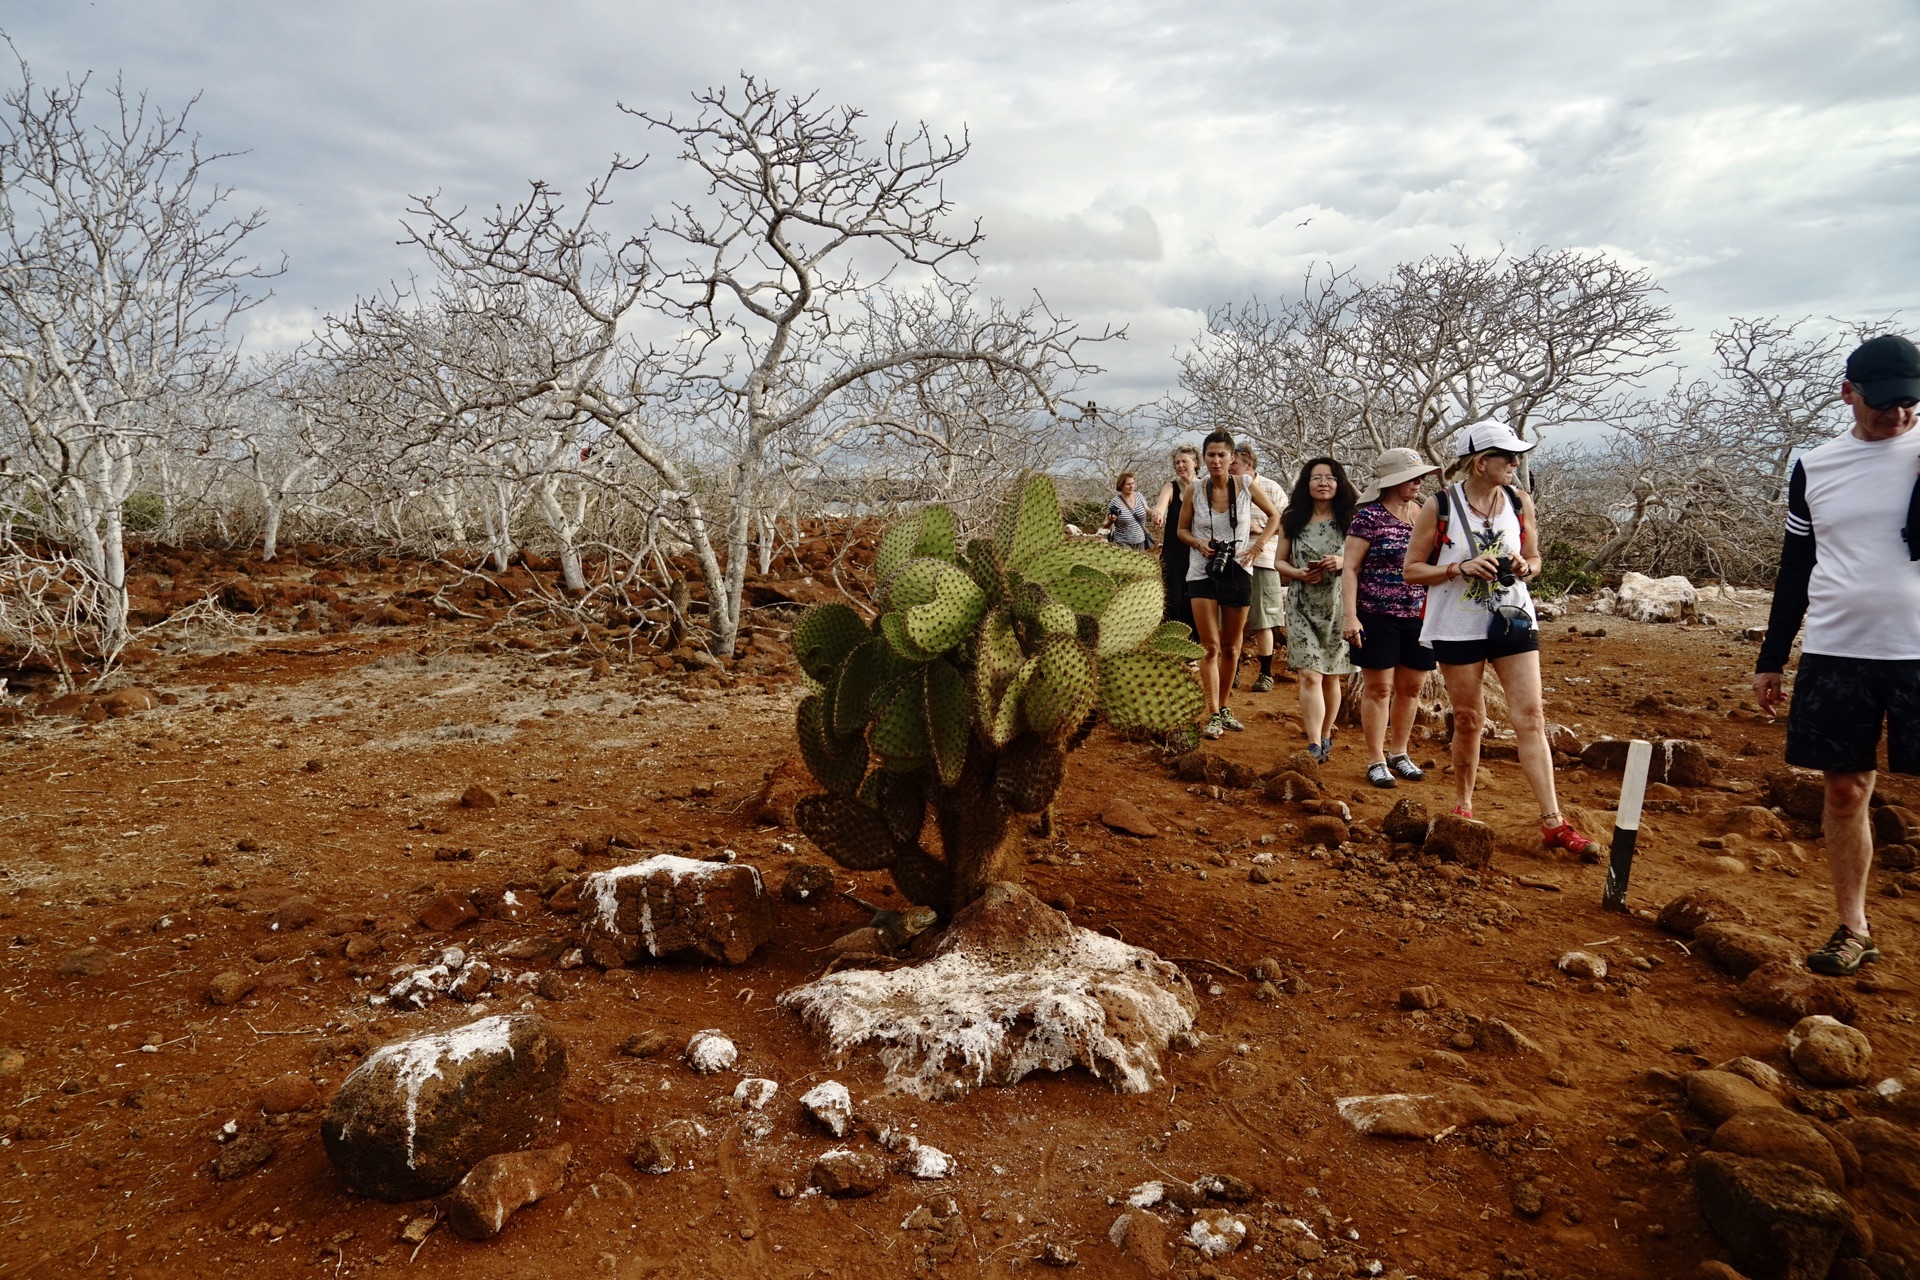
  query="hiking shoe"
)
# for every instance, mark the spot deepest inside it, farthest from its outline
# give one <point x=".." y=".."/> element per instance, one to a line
<point x="1318" y="752"/>
<point x="1565" y="837"/>
<point x="1263" y="683"/>
<point x="1844" y="953"/>
<point x="1232" y="721"/>
<point x="1216" y="727"/>
<point x="1404" y="767"/>
<point x="1379" y="775"/>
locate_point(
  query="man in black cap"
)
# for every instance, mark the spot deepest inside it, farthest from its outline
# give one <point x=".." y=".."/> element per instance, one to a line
<point x="1853" y="500"/>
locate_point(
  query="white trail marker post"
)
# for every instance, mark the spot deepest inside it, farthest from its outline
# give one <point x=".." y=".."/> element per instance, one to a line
<point x="1626" y="824"/>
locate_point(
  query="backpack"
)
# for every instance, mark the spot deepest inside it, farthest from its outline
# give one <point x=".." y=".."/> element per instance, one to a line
<point x="1441" y="538"/>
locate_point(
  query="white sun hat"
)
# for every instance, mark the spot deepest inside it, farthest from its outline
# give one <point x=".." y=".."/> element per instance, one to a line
<point x="1483" y="436"/>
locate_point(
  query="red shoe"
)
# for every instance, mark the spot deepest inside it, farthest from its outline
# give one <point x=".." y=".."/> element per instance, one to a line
<point x="1463" y="811"/>
<point x="1565" y="837"/>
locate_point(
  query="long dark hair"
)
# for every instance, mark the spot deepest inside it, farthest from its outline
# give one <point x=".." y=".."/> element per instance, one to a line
<point x="1300" y="502"/>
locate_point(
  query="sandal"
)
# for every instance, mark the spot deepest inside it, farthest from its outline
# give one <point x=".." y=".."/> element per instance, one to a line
<point x="1379" y="775"/>
<point x="1463" y="811"/>
<point x="1844" y="953"/>
<point x="1404" y="767"/>
<point x="1565" y="837"/>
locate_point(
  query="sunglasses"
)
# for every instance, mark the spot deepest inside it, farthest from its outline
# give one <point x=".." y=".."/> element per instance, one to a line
<point x="1504" y="456"/>
<point x="1897" y="402"/>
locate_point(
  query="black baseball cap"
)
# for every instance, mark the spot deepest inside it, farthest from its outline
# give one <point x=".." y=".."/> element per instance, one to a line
<point x="1885" y="369"/>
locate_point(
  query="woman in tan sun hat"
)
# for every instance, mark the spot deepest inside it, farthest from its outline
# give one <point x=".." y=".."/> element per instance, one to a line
<point x="1381" y="622"/>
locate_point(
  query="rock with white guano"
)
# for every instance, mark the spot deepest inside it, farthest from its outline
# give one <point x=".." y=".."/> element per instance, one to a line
<point x="1012" y="987"/>
<point x="710" y="1051"/>
<point x="668" y="904"/>
<point x="418" y="1114"/>
<point x="830" y="1106"/>
<point x="1582" y="964"/>
<point x="755" y="1092"/>
<point x="928" y="1163"/>
<point x="1644" y="599"/>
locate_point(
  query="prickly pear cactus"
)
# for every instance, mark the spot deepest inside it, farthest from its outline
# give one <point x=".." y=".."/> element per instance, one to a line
<point x="987" y="664"/>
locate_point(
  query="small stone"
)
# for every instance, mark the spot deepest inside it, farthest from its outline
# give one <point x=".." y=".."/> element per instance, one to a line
<point x="285" y="1094"/>
<point x="755" y="1092"/>
<point x="478" y="797"/>
<point x="809" y="883"/>
<point x="1825" y="1051"/>
<point x="86" y="962"/>
<point x="830" y="1106"/>
<point x="710" y="1051"/>
<point x="1323" y="832"/>
<point x="846" y="1174"/>
<point x="296" y="912"/>
<point x="230" y="987"/>
<point x="471" y="981"/>
<point x="416" y="1230"/>
<point x="448" y="911"/>
<point x="242" y="1156"/>
<point x="653" y="1153"/>
<point x="1217" y="1233"/>
<point x="1057" y="1254"/>
<point x="1424" y="996"/>
<point x="1740" y="950"/>
<point x="12" y="1062"/>
<point x="500" y="1184"/>
<point x="1720" y="1095"/>
<point x="1499" y="1036"/>
<point x="1406" y="822"/>
<point x="1686" y="914"/>
<point x="928" y="1163"/>
<point x="646" y="1044"/>
<point x="1785" y="992"/>
<point x="1224" y="1186"/>
<point x="1124" y="816"/>
<point x="1528" y="1200"/>
<point x="1583" y="965"/>
<point x="1453" y="838"/>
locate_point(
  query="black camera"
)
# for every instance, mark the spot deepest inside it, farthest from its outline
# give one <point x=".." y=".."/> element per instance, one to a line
<point x="1503" y="566"/>
<point x="1219" y="558"/>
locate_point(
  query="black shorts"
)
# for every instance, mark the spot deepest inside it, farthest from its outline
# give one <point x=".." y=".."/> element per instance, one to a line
<point x="1464" y="653"/>
<point x="1838" y="704"/>
<point x="1235" y="591"/>
<point x="1387" y="642"/>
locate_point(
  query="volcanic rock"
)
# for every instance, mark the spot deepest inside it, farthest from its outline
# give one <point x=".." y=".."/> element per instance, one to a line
<point x="1453" y="838"/>
<point x="710" y="1051"/>
<point x="500" y="1184"/>
<point x="1124" y="816"/>
<point x="1754" y="823"/>
<point x="1422" y="1116"/>
<point x="230" y="986"/>
<point x="807" y="882"/>
<point x="447" y="911"/>
<point x="1785" y="992"/>
<point x="830" y="1106"/>
<point x="1798" y="793"/>
<point x="1767" y="1134"/>
<point x="1696" y="907"/>
<point x="668" y="904"/>
<point x="1289" y="786"/>
<point x="1826" y="1051"/>
<point x="418" y="1114"/>
<point x="288" y="1093"/>
<point x="1721" y="1095"/>
<point x="1740" y="950"/>
<point x="478" y="797"/>
<point x="1780" y="1221"/>
<point x="1644" y="599"/>
<point x="1406" y="822"/>
<point x="846" y="1174"/>
<point x="1328" y="833"/>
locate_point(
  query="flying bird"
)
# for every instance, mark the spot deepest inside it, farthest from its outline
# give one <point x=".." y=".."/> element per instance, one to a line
<point x="1302" y="224"/>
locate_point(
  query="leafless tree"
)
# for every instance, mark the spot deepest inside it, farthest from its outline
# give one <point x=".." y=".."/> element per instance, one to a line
<point x="121" y="270"/>
<point x="751" y="330"/>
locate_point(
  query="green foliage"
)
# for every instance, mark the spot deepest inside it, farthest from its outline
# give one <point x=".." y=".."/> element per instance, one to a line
<point x="143" y="512"/>
<point x="1561" y="574"/>
<point x="963" y="697"/>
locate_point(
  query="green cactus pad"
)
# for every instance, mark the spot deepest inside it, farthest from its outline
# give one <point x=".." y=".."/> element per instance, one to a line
<point x="1006" y="716"/>
<point x="1117" y="563"/>
<point x="997" y="658"/>
<point x="937" y="538"/>
<point x="1063" y="690"/>
<point x="917" y="582"/>
<point x="902" y="801"/>
<point x="1149" y="690"/>
<point x="1083" y="590"/>
<point x="894" y="627"/>
<point x="1132" y="616"/>
<point x="1029" y="774"/>
<point x="824" y="636"/>
<point x="1057" y="619"/>
<point x="989" y="574"/>
<point x="949" y="728"/>
<point x="1175" y="639"/>
<point x="943" y="622"/>
<point x="871" y="665"/>
<point x="924" y="879"/>
<point x="900" y="729"/>
<point x="837" y="763"/>
<point x="1030" y="526"/>
<point x="846" y="831"/>
<point x="899" y="544"/>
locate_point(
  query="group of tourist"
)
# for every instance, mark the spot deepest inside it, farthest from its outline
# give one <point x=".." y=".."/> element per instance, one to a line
<point x="1375" y="581"/>
<point x="1396" y="586"/>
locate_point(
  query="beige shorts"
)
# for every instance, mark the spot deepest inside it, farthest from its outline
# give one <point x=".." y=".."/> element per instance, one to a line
<point x="1269" y="605"/>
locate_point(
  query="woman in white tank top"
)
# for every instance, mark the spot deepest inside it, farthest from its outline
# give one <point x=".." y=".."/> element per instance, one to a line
<point x="1218" y="514"/>
<point x="1480" y="613"/>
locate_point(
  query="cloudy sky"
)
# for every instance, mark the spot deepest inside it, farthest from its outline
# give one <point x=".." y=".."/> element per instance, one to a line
<point x="1136" y="162"/>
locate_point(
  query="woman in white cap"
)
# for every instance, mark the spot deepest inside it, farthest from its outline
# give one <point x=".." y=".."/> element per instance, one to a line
<point x="1381" y="622"/>
<point x="1474" y="546"/>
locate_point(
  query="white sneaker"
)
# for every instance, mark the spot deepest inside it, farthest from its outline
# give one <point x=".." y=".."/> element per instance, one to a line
<point x="1216" y="727"/>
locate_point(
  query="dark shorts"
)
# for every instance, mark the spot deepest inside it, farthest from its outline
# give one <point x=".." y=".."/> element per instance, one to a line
<point x="1838" y="706"/>
<point x="1387" y="642"/>
<point x="1464" y="653"/>
<point x="1235" y="591"/>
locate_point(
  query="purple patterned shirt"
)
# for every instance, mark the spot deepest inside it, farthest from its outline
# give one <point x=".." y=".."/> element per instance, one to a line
<point x="1382" y="588"/>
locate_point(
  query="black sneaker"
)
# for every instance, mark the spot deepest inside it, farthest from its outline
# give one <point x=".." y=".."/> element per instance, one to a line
<point x="1404" y="767"/>
<point x="1844" y="953"/>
